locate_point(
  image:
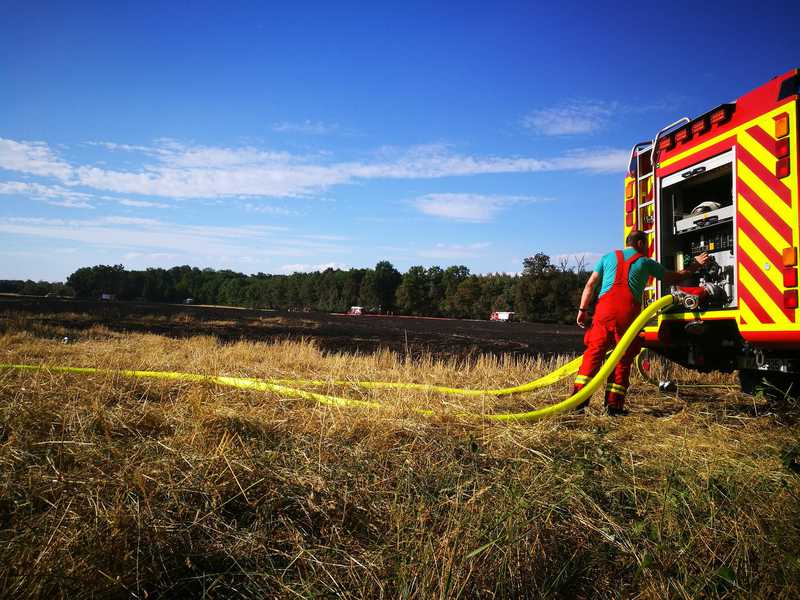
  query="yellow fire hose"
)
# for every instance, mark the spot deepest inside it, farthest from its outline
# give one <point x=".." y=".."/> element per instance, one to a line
<point x="286" y="391"/>
<point x="554" y="376"/>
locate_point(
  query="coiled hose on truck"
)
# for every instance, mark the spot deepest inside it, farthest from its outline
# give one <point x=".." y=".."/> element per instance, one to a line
<point x="280" y="387"/>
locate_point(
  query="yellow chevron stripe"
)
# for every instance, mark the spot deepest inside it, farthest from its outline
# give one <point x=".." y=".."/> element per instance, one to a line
<point x="750" y="248"/>
<point x="748" y="314"/>
<point x="761" y="154"/>
<point x="764" y="192"/>
<point x="760" y="223"/>
<point x="748" y="281"/>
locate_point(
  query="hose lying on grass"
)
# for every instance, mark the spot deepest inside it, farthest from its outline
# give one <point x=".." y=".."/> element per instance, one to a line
<point x="278" y="386"/>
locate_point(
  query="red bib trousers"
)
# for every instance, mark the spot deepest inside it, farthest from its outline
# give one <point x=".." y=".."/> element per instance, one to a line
<point x="615" y="312"/>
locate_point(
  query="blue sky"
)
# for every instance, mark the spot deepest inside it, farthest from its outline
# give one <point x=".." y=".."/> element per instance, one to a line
<point x="266" y="137"/>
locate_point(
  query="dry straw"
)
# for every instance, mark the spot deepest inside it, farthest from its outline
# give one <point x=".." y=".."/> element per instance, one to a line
<point x="124" y="488"/>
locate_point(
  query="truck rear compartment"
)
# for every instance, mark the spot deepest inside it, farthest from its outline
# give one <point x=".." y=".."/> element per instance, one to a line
<point x="697" y="213"/>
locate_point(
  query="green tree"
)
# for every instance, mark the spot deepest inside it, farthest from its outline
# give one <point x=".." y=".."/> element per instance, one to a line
<point x="412" y="294"/>
<point x="451" y="279"/>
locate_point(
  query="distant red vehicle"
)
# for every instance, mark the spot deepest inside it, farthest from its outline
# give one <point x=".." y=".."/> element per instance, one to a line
<point x="502" y="315"/>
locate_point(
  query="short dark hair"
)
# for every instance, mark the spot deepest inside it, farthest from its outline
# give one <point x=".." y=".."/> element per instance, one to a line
<point x="635" y="236"/>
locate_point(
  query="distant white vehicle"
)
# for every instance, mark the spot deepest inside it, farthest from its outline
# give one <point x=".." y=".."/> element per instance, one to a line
<point x="355" y="311"/>
<point x="502" y="315"/>
<point x="108" y="297"/>
<point x="189" y="301"/>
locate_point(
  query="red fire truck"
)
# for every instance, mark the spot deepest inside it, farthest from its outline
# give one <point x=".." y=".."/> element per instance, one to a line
<point x="726" y="183"/>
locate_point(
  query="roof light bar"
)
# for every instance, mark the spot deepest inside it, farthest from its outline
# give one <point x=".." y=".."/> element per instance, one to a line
<point x="683" y="135"/>
<point x="701" y="126"/>
<point x="721" y="115"/>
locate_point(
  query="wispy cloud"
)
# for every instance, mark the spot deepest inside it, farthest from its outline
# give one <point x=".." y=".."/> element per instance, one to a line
<point x="454" y="251"/>
<point x="179" y="171"/>
<point x="306" y="127"/>
<point x="203" y="242"/>
<point x="474" y="208"/>
<point x="142" y="203"/>
<point x="35" y="158"/>
<point x="268" y="209"/>
<point x="303" y="268"/>
<point x="573" y="117"/>
<point x="113" y="146"/>
<point x="149" y="256"/>
<point x="50" y="194"/>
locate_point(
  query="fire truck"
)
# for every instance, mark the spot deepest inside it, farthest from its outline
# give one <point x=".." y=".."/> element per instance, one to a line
<point x="726" y="182"/>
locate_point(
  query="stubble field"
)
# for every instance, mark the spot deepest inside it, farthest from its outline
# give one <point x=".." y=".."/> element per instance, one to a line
<point x="113" y="487"/>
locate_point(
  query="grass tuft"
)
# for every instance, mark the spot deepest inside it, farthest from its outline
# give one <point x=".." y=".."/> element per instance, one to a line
<point x="114" y="487"/>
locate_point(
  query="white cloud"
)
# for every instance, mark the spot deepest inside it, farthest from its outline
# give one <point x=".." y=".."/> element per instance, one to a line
<point x="50" y="194"/>
<point x="306" y="127"/>
<point x="141" y="203"/>
<point x="203" y="243"/>
<point x="122" y="147"/>
<point x="149" y="256"/>
<point x="127" y="221"/>
<point x="180" y="171"/>
<point x="35" y="158"/>
<point x="268" y="209"/>
<point x="454" y="251"/>
<point x="69" y="203"/>
<point x="474" y="208"/>
<point x="573" y="117"/>
<point x="303" y="268"/>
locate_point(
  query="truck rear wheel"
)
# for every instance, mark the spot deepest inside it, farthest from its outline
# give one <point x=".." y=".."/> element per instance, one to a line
<point x="773" y="385"/>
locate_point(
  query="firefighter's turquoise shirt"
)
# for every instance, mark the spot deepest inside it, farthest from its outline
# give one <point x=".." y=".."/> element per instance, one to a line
<point x="638" y="275"/>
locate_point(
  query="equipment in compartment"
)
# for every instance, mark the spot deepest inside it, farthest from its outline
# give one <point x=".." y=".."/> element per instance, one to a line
<point x="717" y="275"/>
<point x="704" y="219"/>
<point x="698" y="215"/>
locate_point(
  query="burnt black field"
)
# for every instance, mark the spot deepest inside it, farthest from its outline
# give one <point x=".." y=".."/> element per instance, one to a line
<point x="441" y="338"/>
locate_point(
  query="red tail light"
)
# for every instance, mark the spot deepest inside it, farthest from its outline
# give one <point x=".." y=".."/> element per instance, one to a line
<point x="782" y="147"/>
<point x="782" y="168"/>
<point x="629" y="220"/>
<point x="790" y="299"/>
<point x="790" y="277"/>
<point x="628" y="206"/>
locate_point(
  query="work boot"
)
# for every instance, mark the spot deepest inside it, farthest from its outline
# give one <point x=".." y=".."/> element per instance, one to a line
<point x="614" y="404"/>
<point x="583" y="405"/>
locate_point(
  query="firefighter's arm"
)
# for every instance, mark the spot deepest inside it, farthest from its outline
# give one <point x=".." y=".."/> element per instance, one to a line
<point x="586" y="298"/>
<point x="671" y="277"/>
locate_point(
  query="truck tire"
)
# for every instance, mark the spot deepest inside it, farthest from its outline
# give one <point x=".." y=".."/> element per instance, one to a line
<point x="773" y="385"/>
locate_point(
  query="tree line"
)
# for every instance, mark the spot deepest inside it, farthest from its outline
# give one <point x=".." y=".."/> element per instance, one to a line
<point x="542" y="292"/>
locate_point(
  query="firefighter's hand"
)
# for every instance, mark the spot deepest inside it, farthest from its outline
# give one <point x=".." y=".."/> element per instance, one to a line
<point x="583" y="318"/>
<point x="701" y="259"/>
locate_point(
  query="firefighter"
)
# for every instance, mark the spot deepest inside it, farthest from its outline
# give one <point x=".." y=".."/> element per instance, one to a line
<point x="623" y="275"/>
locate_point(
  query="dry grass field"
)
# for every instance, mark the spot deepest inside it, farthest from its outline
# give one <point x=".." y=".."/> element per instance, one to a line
<point x="112" y="487"/>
